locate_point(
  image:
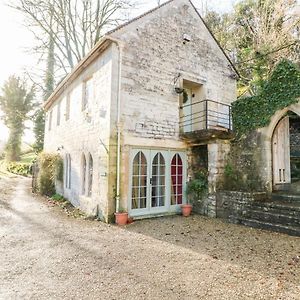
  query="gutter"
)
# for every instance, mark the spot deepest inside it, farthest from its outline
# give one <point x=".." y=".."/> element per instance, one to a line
<point x="118" y="180"/>
<point x="86" y="61"/>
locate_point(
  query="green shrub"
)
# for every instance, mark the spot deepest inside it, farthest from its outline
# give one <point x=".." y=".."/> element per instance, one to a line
<point x="28" y="157"/>
<point x="59" y="169"/>
<point x="198" y="186"/>
<point x="232" y="178"/>
<point x="58" y="198"/>
<point x="236" y="180"/>
<point x="19" y="168"/>
<point x="281" y="90"/>
<point x="48" y="172"/>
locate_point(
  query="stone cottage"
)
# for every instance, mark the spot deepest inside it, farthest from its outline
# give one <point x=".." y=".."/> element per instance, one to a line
<point x="141" y="112"/>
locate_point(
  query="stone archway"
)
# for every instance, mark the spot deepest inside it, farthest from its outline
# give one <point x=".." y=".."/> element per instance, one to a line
<point x="266" y="133"/>
<point x="285" y="146"/>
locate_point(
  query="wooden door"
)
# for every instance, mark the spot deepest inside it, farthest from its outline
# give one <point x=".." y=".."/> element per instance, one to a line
<point x="281" y="153"/>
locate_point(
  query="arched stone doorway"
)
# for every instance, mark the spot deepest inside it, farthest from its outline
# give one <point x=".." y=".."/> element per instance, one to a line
<point x="286" y="153"/>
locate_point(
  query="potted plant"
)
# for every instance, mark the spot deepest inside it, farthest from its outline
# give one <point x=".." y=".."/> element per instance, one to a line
<point x="195" y="190"/>
<point x="121" y="217"/>
<point x="186" y="209"/>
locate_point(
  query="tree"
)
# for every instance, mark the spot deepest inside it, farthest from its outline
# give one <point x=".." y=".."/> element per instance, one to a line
<point x="39" y="117"/>
<point x="258" y="34"/>
<point x="75" y="25"/>
<point x="66" y="30"/>
<point x="39" y="130"/>
<point x="16" y="102"/>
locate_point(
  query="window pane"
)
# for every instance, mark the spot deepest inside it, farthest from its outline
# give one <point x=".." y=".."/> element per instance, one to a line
<point x="143" y="192"/>
<point x="139" y="181"/>
<point x="83" y="174"/>
<point x="134" y="203"/>
<point x="87" y="93"/>
<point x="66" y="170"/>
<point x="90" y="177"/>
<point x="58" y="114"/>
<point x="143" y="203"/>
<point x="68" y="107"/>
<point x="176" y="180"/>
<point x="158" y="181"/>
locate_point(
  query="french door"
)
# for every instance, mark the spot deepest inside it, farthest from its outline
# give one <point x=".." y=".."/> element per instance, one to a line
<point x="157" y="181"/>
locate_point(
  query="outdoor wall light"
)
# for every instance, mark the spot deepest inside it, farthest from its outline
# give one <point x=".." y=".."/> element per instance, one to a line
<point x="179" y="90"/>
<point x="60" y="148"/>
<point x="186" y="38"/>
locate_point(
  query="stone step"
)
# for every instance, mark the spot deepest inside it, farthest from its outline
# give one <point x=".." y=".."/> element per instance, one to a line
<point x="291" y="230"/>
<point x="293" y="198"/>
<point x="281" y="218"/>
<point x="277" y="207"/>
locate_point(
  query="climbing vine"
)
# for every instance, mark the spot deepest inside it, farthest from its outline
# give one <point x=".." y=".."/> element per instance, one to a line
<point x="281" y="90"/>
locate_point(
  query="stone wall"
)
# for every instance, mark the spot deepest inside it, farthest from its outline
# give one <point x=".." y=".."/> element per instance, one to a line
<point x="244" y="164"/>
<point x="153" y="55"/>
<point x="85" y="132"/>
<point x="232" y="204"/>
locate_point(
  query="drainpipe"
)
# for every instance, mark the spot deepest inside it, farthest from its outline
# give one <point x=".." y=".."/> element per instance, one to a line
<point x="118" y="43"/>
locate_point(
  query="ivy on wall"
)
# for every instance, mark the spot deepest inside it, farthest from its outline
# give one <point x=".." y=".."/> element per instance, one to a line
<point x="281" y="90"/>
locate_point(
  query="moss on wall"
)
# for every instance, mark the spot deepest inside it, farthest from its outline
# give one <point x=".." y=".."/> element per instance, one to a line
<point x="280" y="91"/>
<point x="242" y="171"/>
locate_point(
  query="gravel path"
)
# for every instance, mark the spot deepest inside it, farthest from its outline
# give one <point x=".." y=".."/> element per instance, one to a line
<point x="45" y="254"/>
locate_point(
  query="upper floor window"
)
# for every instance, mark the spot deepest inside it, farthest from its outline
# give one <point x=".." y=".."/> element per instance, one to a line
<point x="58" y="114"/>
<point x="87" y="93"/>
<point x="50" y="120"/>
<point x="67" y="115"/>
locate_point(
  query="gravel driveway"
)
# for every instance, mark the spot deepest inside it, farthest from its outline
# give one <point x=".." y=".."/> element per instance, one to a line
<point x="46" y="254"/>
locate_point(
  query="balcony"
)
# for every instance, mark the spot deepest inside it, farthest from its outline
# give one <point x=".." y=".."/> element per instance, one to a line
<point x="205" y="120"/>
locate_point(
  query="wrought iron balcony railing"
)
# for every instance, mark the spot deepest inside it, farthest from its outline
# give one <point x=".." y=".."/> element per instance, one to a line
<point x="205" y="115"/>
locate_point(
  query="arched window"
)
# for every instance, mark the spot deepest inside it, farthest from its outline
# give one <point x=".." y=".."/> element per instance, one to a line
<point x="68" y="171"/>
<point x="176" y="180"/>
<point x="90" y="176"/>
<point x="139" y="181"/>
<point x="158" y="180"/>
<point x="83" y="174"/>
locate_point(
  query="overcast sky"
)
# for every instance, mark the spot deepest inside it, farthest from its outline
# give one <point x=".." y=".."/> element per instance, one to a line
<point x="16" y="40"/>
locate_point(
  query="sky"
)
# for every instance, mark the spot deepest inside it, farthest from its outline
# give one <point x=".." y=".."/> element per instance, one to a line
<point x="15" y="55"/>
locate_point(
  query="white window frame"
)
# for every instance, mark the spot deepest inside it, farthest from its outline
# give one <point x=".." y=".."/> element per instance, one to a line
<point x="68" y="171"/>
<point x="90" y="175"/>
<point x="50" y="120"/>
<point x="168" y="156"/>
<point x="68" y="107"/>
<point x="87" y="97"/>
<point x="58" y="113"/>
<point x="83" y="174"/>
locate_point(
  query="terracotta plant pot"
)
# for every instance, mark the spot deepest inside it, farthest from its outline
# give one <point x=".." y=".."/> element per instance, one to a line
<point x="186" y="209"/>
<point x="121" y="218"/>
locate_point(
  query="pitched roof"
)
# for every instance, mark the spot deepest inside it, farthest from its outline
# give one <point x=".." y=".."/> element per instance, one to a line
<point x="231" y="63"/>
<point x="164" y="4"/>
<point x="139" y="17"/>
<point x="102" y="44"/>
